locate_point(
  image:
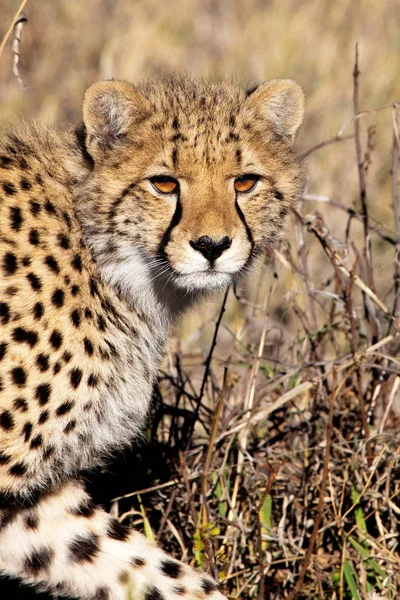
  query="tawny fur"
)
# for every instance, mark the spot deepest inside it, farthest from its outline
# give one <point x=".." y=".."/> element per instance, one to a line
<point x="96" y="265"/>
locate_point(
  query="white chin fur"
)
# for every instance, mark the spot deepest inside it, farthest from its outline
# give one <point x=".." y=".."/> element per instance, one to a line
<point x="202" y="281"/>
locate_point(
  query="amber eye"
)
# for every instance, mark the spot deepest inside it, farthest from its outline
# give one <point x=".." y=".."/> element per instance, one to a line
<point x="164" y="184"/>
<point x="245" y="183"/>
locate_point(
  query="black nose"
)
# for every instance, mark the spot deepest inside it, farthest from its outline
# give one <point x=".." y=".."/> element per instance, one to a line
<point x="210" y="248"/>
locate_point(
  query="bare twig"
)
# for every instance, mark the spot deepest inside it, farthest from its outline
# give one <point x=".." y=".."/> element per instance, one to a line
<point x="19" y="23"/>
<point x="10" y="29"/>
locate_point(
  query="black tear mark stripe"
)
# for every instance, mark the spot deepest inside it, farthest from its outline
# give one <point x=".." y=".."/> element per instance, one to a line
<point x="176" y="217"/>
<point x="243" y="219"/>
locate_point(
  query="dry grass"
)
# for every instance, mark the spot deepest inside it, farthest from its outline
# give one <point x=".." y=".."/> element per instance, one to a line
<point x="280" y="468"/>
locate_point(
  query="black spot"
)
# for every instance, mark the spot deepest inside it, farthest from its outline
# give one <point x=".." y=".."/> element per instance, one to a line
<point x="18" y="376"/>
<point x="70" y="426"/>
<point x="208" y="586"/>
<point x="88" y="313"/>
<point x="27" y="336"/>
<point x="20" y="404"/>
<point x="6" y="420"/>
<point x="27" y="430"/>
<point x="35" y="207"/>
<point x="4" y="458"/>
<point x="51" y="262"/>
<point x="48" y="452"/>
<point x="11" y="290"/>
<point x="64" y="408"/>
<point x="16" y="218"/>
<point x="9" y="263"/>
<point x="39" y="559"/>
<point x="101" y="324"/>
<point x="180" y="590"/>
<point x="67" y="219"/>
<point x="85" y="509"/>
<point x="56" y="339"/>
<point x="49" y="206"/>
<point x="75" y="290"/>
<point x="278" y="195"/>
<point x="75" y="377"/>
<point x="93" y="380"/>
<point x="3" y="350"/>
<point x="57" y="298"/>
<point x="76" y="317"/>
<point x="123" y="577"/>
<point x="36" y="442"/>
<point x="25" y="185"/>
<point x="88" y="346"/>
<point x="26" y="261"/>
<point x="5" y="162"/>
<point x="34" y="237"/>
<point x="44" y="415"/>
<point x="101" y="593"/>
<point x="35" y="282"/>
<point x="9" y="188"/>
<point x="137" y="562"/>
<point x="118" y="531"/>
<point x="67" y="356"/>
<point x="63" y="241"/>
<point x="57" y="368"/>
<point x="4" y="313"/>
<point x="42" y="393"/>
<point x="38" y="311"/>
<point x="93" y="288"/>
<point x="32" y="521"/>
<point x="18" y="469"/>
<point x="42" y="361"/>
<point x="171" y="568"/>
<point x="76" y="263"/>
<point x="84" y="548"/>
<point x="153" y="593"/>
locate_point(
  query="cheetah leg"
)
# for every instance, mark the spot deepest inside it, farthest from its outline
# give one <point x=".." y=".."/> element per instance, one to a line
<point x="66" y="545"/>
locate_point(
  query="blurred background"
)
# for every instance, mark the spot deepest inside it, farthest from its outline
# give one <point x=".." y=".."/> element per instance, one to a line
<point x="68" y="44"/>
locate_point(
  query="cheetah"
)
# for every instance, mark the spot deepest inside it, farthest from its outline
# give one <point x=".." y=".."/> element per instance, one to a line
<point x="108" y="233"/>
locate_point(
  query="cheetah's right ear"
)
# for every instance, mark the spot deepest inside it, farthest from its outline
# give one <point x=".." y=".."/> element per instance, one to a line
<point x="110" y="108"/>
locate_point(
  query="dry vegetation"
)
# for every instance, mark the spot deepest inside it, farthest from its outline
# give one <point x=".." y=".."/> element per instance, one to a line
<point x="277" y="415"/>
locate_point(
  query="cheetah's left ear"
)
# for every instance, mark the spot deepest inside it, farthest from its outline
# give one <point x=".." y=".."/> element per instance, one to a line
<point x="110" y="109"/>
<point x="281" y="101"/>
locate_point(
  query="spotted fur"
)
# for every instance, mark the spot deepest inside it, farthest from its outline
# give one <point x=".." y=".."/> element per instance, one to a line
<point x="95" y="267"/>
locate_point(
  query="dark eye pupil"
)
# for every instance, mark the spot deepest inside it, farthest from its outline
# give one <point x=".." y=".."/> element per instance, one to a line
<point x="163" y="179"/>
<point x="249" y="177"/>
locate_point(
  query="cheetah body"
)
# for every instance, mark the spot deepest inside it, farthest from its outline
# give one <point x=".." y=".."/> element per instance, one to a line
<point x="96" y="265"/>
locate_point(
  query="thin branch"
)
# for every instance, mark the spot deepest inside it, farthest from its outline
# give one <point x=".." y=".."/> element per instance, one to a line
<point x="10" y="29"/>
<point x="20" y="22"/>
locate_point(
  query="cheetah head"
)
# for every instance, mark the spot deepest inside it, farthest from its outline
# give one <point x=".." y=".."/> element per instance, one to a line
<point x="190" y="180"/>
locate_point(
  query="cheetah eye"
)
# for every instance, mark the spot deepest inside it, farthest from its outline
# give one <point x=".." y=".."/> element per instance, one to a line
<point x="164" y="184"/>
<point x="245" y="183"/>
